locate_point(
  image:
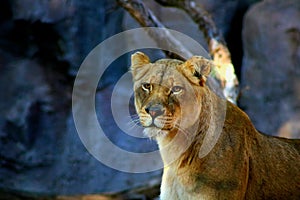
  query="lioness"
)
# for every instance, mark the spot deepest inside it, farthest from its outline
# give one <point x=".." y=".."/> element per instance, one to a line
<point x="176" y="107"/>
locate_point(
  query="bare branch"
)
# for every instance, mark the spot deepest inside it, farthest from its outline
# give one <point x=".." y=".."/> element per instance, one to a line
<point x="217" y="47"/>
<point x="203" y="19"/>
<point x="146" y="18"/>
<point x="216" y="43"/>
<point x="198" y="14"/>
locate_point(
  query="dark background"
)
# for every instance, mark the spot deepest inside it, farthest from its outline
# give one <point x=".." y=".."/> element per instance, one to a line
<point x="43" y="43"/>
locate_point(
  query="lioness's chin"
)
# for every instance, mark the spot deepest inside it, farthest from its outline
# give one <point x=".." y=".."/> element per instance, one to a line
<point x="154" y="132"/>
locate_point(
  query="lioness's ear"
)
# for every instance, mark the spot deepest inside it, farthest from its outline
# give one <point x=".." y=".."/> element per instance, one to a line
<point x="138" y="60"/>
<point x="196" y="69"/>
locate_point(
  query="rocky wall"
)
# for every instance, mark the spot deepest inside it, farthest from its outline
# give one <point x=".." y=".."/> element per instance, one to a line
<point x="42" y="45"/>
<point x="271" y="67"/>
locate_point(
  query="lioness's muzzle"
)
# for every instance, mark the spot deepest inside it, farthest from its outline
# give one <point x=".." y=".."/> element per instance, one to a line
<point x="155" y="110"/>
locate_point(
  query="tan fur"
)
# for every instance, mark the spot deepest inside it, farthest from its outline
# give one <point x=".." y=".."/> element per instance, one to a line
<point x="242" y="164"/>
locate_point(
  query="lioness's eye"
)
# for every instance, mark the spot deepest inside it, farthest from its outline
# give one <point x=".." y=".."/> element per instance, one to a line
<point x="147" y="87"/>
<point x="176" y="89"/>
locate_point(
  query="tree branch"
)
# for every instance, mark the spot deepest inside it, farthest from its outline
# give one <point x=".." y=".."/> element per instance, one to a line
<point x="217" y="47"/>
<point x="146" y="18"/>
<point x="216" y="43"/>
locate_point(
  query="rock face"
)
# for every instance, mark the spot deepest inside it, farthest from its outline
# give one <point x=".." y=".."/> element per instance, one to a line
<point x="271" y="67"/>
<point x="42" y="45"/>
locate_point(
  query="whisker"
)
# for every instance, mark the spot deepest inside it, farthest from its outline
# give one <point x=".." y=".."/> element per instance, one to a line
<point x="135" y="116"/>
<point x="133" y="121"/>
<point x="132" y="125"/>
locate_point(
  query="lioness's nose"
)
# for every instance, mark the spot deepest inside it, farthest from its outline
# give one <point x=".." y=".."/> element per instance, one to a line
<point x="155" y="110"/>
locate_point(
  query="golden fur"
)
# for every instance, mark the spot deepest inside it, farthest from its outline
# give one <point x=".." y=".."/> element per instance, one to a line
<point x="178" y="110"/>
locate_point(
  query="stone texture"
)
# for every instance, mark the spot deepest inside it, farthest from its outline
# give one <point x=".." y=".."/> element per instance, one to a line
<point x="271" y="66"/>
<point x="42" y="45"/>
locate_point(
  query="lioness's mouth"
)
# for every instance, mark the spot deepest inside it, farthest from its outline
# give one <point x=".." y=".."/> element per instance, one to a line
<point x="161" y="128"/>
<point x="163" y="123"/>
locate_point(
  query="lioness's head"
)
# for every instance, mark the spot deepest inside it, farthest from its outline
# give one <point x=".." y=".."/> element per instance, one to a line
<point x="168" y="92"/>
